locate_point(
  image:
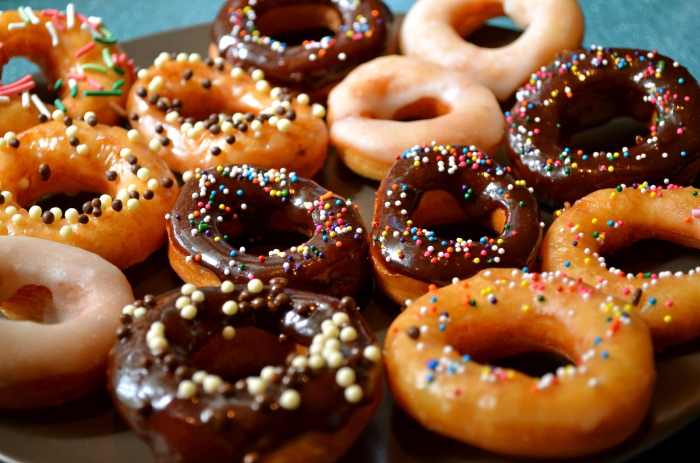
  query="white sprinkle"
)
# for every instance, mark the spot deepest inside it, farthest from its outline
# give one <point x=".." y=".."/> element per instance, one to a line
<point x="40" y="104"/>
<point x="14" y="26"/>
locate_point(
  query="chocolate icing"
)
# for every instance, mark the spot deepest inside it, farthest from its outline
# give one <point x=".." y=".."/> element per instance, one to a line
<point x="231" y="423"/>
<point x="363" y="35"/>
<point x="336" y="265"/>
<point x="481" y="187"/>
<point x="603" y="84"/>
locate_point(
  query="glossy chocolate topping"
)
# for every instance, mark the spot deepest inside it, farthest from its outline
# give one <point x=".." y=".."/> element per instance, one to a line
<point x="587" y="88"/>
<point x="220" y="204"/>
<point x="245" y="33"/>
<point x="201" y="386"/>
<point x="484" y="192"/>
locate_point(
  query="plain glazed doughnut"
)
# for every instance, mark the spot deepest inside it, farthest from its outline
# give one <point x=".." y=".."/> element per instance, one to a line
<point x="56" y="350"/>
<point x="246" y="34"/>
<point x="123" y="224"/>
<point x="435" y="354"/>
<point x="246" y="373"/>
<point x="394" y="102"/>
<point x="432" y="185"/>
<point x="607" y="220"/>
<point x="79" y="57"/>
<point x="433" y="30"/>
<point x="226" y="202"/>
<point x="587" y="88"/>
<point x="204" y="114"/>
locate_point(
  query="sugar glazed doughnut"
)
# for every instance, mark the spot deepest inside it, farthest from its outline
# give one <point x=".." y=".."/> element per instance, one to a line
<point x="434" y="30"/>
<point x="393" y="102"/>
<point x="123" y="225"/>
<point x="586" y="88"/>
<point x="432" y="185"/>
<point x="246" y="34"/>
<point x="310" y="369"/>
<point x="202" y="114"/>
<point x="64" y="304"/>
<point x="79" y="57"/>
<point x="607" y="220"/>
<point x="221" y="204"/>
<point x="434" y="352"/>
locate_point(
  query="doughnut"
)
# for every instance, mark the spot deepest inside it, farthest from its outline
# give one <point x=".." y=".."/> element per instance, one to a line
<point x="124" y="223"/>
<point x="607" y="220"/>
<point x="433" y="185"/>
<point x="247" y="373"/>
<point x="437" y="352"/>
<point x="433" y="30"/>
<point x="63" y="318"/>
<point x="393" y="102"/>
<point x="587" y="88"/>
<point x="86" y="69"/>
<point x="177" y="106"/>
<point x="226" y="202"/>
<point x="305" y="45"/>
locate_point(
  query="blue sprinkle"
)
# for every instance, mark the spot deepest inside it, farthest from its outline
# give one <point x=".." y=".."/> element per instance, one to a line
<point x="433" y="299"/>
<point x="684" y="154"/>
<point x="681" y="80"/>
<point x="466" y="358"/>
<point x="567" y="264"/>
<point x="432" y="364"/>
<point x="338" y="202"/>
<point x="597" y="340"/>
<point x="452" y="368"/>
<point x="611" y="223"/>
<point x="605" y="354"/>
<point x="584" y="157"/>
<point x="525" y="269"/>
<point x="431" y="378"/>
<point x="325" y="238"/>
<point x="652" y="300"/>
<point x="239" y="192"/>
<point x="575" y="243"/>
<point x="233" y="254"/>
<point x="441" y="327"/>
<point x="482" y="240"/>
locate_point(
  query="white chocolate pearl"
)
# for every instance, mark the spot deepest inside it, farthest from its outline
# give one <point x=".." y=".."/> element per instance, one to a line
<point x="153" y="184"/>
<point x="82" y="149"/>
<point x="58" y="115"/>
<point x="332" y="344"/>
<point x="66" y="231"/>
<point x="129" y="310"/>
<point x="72" y="215"/>
<point x="89" y="114"/>
<point x="187" y="175"/>
<point x="133" y="135"/>
<point x="237" y="72"/>
<point x="331" y="331"/>
<point x="353" y="394"/>
<point x="181" y="57"/>
<point x="123" y="195"/>
<point x="157" y="327"/>
<point x="198" y="376"/>
<point x="258" y="75"/>
<point x="57" y="212"/>
<point x="188" y="312"/>
<point x="211" y="383"/>
<point x="24" y="183"/>
<point x="228" y="333"/>
<point x="172" y="116"/>
<point x="255" y="286"/>
<point x="125" y="153"/>
<point x="318" y="110"/>
<point x="303" y="98"/>
<point x="230" y="308"/>
<point x="186" y="389"/>
<point x="157" y="342"/>
<point x="35" y="212"/>
<point x="197" y="296"/>
<point x="273" y="121"/>
<point x="72" y="131"/>
<point x="316" y="349"/>
<point x="290" y="399"/>
<point x="143" y="174"/>
<point x="227" y="287"/>
<point x="139" y="312"/>
<point x="348" y="334"/>
<point x="334" y="359"/>
<point x="155" y="145"/>
<point x="133" y="204"/>
<point x="284" y="125"/>
<point x="188" y="289"/>
<point x="372" y="353"/>
<point x="345" y="377"/>
<point x="10" y="210"/>
<point x="300" y="361"/>
<point x="262" y="86"/>
<point x="156" y="84"/>
<point x="143" y="73"/>
<point x="195" y="58"/>
<point x="316" y="362"/>
<point x="256" y="385"/>
<point x="182" y="301"/>
<point x="256" y="126"/>
<point x="340" y="318"/>
<point x="105" y="200"/>
<point x="267" y="373"/>
<point x="327" y="324"/>
<point x="18" y="219"/>
<point x="7" y="195"/>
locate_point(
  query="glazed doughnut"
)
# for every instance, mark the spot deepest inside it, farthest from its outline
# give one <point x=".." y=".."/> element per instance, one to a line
<point x="79" y="57"/>
<point x="124" y="224"/>
<point x="226" y="202"/>
<point x="436" y="349"/>
<point x="393" y="102"/>
<point x="587" y="88"/>
<point x="433" y="30"/>
<point x="432" y="185"/>
<point x="253" y="34"/>
<point x="309" y="368"/>
<point x="607" y="220"/>
<point x="56" y="350"/>
<point x="177" y="107"/>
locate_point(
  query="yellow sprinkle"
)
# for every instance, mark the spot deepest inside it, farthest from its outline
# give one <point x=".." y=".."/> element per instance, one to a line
<point x="217" y="239"/>
<point x="627" y="308"/>
<point x="574" y="165"/>
<point x="587" y="260"/>
<point x="526" y="308"/>
<point x="523" y="284"/>
<point x="613" y="194"/>
<point x="220" y="168"/>
<point x="384" y="233"/>
<point x="594" y="221"/>
<point x="653" y="194"/>
<point x="510" y="374"/>
<point x="667" y="319"/>
<point x="500" y="241"/>
<point x="477" y="260"/>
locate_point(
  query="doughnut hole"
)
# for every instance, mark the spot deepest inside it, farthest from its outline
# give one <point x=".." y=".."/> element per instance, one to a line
<point x="422" y="109"/>
<point x="441" y="212"/>
<point x="65" y="201"/>
<point x="653" y="255"/>
<point x="268" y="231"/>
<point x="16" y="118"/>
<point x="235" y="359"/>
<point x="31" y="303"/>
<point x="470" y="24"/>
<point x="311" y="22"/>
<point x="610" y="136"/>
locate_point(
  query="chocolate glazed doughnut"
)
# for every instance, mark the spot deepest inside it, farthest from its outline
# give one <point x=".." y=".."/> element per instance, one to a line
<point x="222" y="203"/>
<point x="587" y="88"/>
<point x="245" y="374"/>
<point x="245" y="33"/>
<point x="432" y="185"/>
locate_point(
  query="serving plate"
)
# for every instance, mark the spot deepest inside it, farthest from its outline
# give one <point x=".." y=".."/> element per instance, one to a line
<point x="88" y="429"/>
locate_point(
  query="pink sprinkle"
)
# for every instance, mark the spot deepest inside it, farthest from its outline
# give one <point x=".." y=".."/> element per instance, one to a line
<point x="16" y="89"/>
<point x="207" y="207"/>
<point x="72" y="75"/>
<point x="49" y="12"/>
<point x="419" y="242"/>
<point x="340" y="221"/>
<point x="536" y="131"/>
<point x="94" y="84"/>
<point x="475" y="166"/>
<point x="626" y="291"/>
<point x="679" y="131"/>
<point x="669" y="303"/>
<point x="89" y="46"/>
<point x="426" y="254"/>
<point x="687" y="98"/>
<point x="483" y="253"/>
<point x="447" y="255"/>
<point x="696" y="213"/>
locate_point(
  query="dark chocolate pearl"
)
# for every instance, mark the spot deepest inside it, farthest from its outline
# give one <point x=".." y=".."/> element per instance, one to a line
<point x="219" y="66"/>
<point x="73" y="141"/>
<point x="135" y="168"/>
<point x="347" y="303"/>
<point x="281" y="300"/>
<point x="131" y="159"/>
<point x="134" y="117"/>
<point x="244" y="295"/>
<point x="258" y="303"/>
<point x="290" y="114"/>
<point x="230" y="139"/>
<point x="215" y="150"/>
<point x="117" y="205"/>
<point x="138" y="303"/>
<point x="280" y="282"/>
<point x="47" y="217"/>
<point x="147" y="194"/>
<point x="279" y="110"/>
<point x="143" y="408"/>
<point x="67" y="121"/>
<point x="2" y="199"/>
<point x="142" y="92"/>
<point x="182" y="372"/>
<point x="169" y="360"/>
<point x="164" y="140"/>
<point x="96" y="211"/>
<point x="282" y="338"/>
<point x="87" y="207"/>
<point x="44" y="171"/>
<point x="250" y="117"/>
<point x="14" y="143"/>
<point x="215" y="129"/>
<point x="159" y="128"/>
<point x="153" y="99"/>
<point x="242" y="126"/>
<point x="161" y="105"/>
<point x="187" y="75"/>
<point x="125" y="319"/>
<point x="244" y="307"/>
<point x="302" y="309"/>
<point x="83" y="219"/>
<point x="134" y="194"/>
<point x="167" y="182"/>
<point x="122" y="332"/>
<point x="92" y="121"/>
<point x="176" y="103"/>
<point x="144" y="362"/>
<point x="209" y="62"/>
<point x="413" y="332"/>
<point x="149" y="300"/>
<point x="241" y="385"/>
<point x="226" y="389"/>
<point x="43" y="118"/>
<point x="111" y="175"/>
<point x="96" y="202"/>
<point x="206" y="83"/>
